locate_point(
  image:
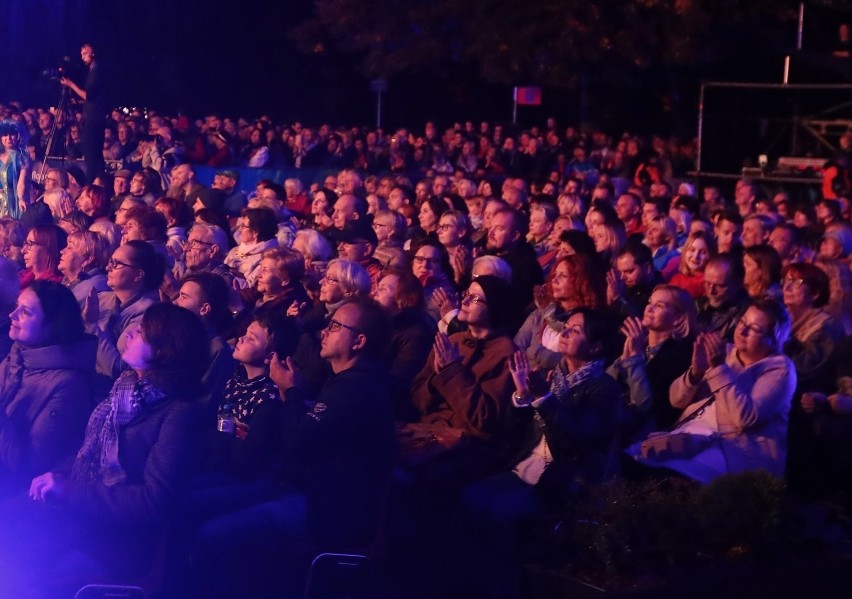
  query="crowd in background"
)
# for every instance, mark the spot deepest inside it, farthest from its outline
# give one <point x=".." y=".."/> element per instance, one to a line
<point x="461" y="330"/>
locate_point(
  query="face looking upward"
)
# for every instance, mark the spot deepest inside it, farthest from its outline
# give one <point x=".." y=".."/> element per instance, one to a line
<point x="137" y="352"/>
<point x="28" y="325"/>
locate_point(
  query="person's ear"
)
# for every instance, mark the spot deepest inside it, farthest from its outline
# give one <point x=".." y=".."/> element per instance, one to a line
<point x="204" y="310"/>
<point x="359" y="342"/>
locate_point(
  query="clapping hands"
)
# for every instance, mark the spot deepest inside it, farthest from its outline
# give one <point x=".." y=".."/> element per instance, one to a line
<point x="529" y="382"/>
<point x="636" y="338"/>
<point x="446" y="352"/>
<point x="708" y="351"/>
<point x="614" y="286"/>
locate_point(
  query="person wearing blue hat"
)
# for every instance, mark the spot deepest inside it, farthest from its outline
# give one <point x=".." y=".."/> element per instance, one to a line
<point x="14" y="170"/>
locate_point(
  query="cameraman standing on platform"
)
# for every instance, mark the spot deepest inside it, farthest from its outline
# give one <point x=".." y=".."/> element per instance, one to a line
<point x="94" y="111"/>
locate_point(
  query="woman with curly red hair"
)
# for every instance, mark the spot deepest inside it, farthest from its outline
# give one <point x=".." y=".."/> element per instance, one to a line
<point x="576" y="281"/>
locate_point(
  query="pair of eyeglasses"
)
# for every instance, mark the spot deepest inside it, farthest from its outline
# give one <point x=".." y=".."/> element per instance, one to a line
<point x="791" y="282"/>
<point x="30" y="244"/>
<point x="445" y="227"/>
<point x="472" y="298"/>
<point x="425" y="260"/>
<point x="193" y="244"/>
<point x="335" y="325"/>
<point x="329" y="280"/>
<point x="113" y="264"/>
<point x="748" y="330"/>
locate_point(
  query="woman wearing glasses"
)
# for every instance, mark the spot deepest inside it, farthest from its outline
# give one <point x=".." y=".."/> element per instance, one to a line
<point x="342" y="281"/>
<point x="815" y="332"/>
<point x="41" y="254"/>
<point x="430" y="263"/>
<point x="735" y="402"/>
<point x="465" y="383"/>
<point x="134" y="274"/>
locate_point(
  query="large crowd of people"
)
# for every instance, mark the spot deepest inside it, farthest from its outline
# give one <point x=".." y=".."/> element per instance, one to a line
<point x="471" y="326"/>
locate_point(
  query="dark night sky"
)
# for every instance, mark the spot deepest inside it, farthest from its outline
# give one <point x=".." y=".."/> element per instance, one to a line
<point x="188" y="54"/>
<point x="235" y="58"/>
<point x="231" y="57"/>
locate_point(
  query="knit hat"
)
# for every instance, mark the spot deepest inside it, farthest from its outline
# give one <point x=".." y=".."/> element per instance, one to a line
<point x="843" y="236"/>
<point x="77" y="173"/>
<point x="498" y="297"/>
<point x="212" y="198"/>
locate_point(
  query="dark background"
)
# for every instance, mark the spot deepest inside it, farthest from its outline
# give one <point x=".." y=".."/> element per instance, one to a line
<point x="236" y="58"/>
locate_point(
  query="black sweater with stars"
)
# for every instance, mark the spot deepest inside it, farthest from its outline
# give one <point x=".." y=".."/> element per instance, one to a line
<point x="256" y="451"/>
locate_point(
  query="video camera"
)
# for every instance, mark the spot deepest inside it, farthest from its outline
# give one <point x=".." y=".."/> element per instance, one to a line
<point x="59" y="71"/>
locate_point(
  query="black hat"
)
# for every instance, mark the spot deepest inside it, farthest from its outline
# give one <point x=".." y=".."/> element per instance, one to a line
<point x="212" y="198"/>
<point x="354" y="232"/>
<point x="498" y="297"/>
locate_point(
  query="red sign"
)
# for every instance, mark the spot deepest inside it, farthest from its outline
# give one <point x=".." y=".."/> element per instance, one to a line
<point x="528" y="96"/>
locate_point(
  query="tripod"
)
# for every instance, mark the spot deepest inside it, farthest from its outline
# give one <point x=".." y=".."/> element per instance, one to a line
<point x="51" y="137"/>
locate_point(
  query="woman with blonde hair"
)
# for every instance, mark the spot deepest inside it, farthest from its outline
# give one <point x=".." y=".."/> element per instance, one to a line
<point x="657" y="350"/>
<point x="661" y="237"/>
<point x="697" y="251"/>
<point x="609" y="239"/>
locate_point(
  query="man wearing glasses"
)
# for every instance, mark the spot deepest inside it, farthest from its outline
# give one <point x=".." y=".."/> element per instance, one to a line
<point x="336" y="465"/>
<point x="205" y="251"/>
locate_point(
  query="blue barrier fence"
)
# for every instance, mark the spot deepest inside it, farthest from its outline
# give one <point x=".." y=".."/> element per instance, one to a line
<point x="250" y="176"/>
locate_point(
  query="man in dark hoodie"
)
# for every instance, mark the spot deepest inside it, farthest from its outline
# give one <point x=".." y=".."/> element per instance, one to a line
<point x="337" y="460"/>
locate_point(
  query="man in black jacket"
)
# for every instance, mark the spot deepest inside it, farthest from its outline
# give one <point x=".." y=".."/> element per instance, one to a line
<point x="338" y="457"/>
<point x="94" y="112"/>
<point x="507" y="240"/>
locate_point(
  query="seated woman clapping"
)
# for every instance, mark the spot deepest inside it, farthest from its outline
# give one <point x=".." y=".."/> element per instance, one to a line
<point x="656" y="351"/>
<point x="574" y="430"/>
<point x="735" y="402"/>
<point x="570" y="442"/>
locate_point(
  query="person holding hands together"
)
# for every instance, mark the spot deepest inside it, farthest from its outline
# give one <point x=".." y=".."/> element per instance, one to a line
<point x="735" y="402"/>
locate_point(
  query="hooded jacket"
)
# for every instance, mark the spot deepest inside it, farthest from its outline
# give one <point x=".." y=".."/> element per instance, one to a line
<point x="45" y="401"/>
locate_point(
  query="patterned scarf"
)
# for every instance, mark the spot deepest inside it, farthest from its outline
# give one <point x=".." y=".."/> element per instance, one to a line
<point x="130" y="396"/>
<point x="563" y="382"/>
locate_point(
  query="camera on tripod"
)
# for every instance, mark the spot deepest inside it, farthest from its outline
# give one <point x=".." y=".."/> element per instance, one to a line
<point x="59" y="71"/>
